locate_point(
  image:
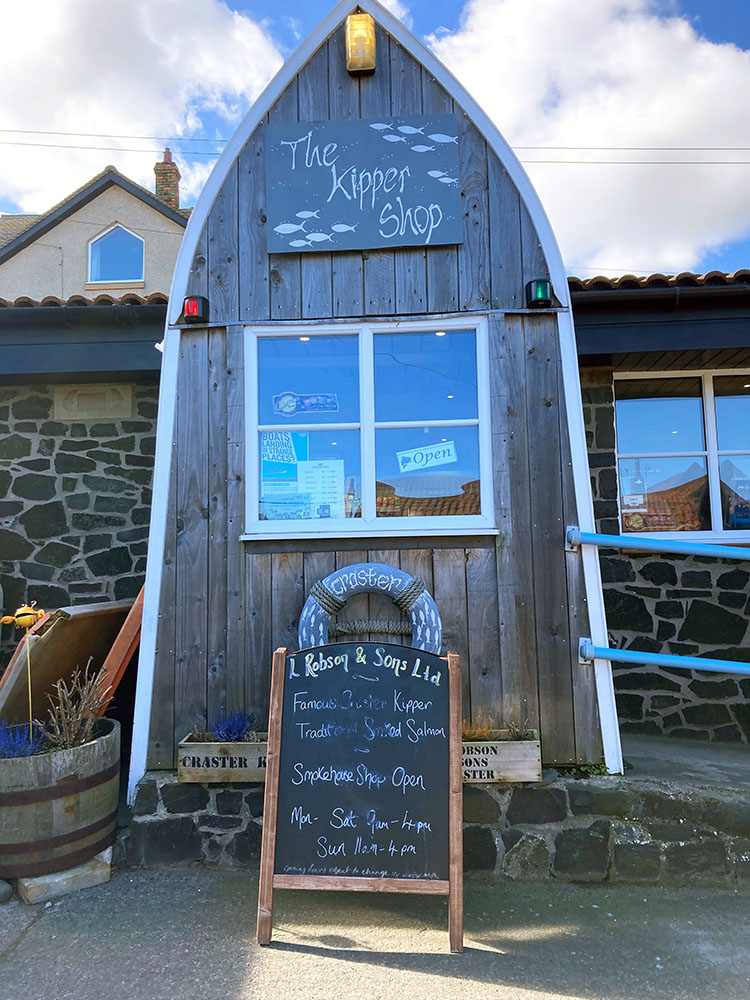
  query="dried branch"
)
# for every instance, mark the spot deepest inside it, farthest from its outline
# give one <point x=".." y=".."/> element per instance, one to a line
<point x="75" y="709"/>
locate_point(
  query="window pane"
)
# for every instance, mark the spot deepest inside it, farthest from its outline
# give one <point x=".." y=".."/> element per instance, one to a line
<point x="309" y="475"/>
<point x="427" y="471"/>
<point x="659" y="415"/>
<point x="426" y="376"/>
<point x="117" y="256"/>
<point x="313" y="380"/>
<point x="732" y="394"/>
<point x="664" y="494"/>
<point x="734" y="475"/>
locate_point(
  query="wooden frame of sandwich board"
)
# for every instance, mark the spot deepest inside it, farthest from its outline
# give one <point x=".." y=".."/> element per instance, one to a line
<point x="453" y="887"/>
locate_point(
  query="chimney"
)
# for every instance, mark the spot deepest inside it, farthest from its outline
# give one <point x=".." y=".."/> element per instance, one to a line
<point x="167" y="185"/>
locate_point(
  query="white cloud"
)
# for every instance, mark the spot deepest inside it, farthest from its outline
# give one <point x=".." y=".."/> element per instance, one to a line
<point x="614" y="73"/>
<point x="126" y="67"/>
<point x="399" y="10"/>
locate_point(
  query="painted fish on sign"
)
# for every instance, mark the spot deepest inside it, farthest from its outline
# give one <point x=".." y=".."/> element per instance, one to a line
<point x="358" y="184"/>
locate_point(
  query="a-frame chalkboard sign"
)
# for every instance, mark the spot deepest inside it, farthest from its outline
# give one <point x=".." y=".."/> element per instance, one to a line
<point x="363" y="780"/>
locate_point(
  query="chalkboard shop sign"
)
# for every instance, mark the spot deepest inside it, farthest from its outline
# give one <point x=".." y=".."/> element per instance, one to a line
<point x="363" y="786"/>
<point x="357" y="184"/>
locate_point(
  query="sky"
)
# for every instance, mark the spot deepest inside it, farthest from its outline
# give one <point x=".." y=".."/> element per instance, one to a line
<point x="631" y="117"/>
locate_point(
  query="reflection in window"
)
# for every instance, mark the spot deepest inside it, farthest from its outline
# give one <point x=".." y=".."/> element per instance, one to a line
<point x="356" y="425"/>
<point x="308" y="380"/>
<point x="656" y="416"/>
<point x="664" y="494"/>
<point x="427" y="471"/>
<point x="681" y="466"/>
<point x="425" y="376"/>
<point x="117" y="255"/>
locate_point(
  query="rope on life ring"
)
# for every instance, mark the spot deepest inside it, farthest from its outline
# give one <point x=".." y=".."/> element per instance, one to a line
<point x="410" y="595"/>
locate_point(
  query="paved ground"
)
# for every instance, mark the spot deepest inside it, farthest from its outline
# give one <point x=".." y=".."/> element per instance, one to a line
<point x="190" y="935"/>
<point x="688" y="762"/>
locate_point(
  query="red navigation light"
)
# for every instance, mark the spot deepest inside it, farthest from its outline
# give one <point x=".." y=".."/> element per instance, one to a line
<point x="195" y="309"/>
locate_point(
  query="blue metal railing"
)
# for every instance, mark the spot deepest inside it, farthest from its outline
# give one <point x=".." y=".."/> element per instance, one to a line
<point x="587" y="651"/>
<point x="575" y="537"/>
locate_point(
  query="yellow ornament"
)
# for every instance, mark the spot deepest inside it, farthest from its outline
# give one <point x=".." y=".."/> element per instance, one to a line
<point x="25" y="617"/>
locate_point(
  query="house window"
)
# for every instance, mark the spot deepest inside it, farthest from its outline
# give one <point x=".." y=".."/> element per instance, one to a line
<point x="116" y="256"/>
<point x="683" y="453"/>
<point x="368" y="429"/>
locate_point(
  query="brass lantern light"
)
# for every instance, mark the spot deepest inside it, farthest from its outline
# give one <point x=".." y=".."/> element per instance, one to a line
<point x="360" y="43"/>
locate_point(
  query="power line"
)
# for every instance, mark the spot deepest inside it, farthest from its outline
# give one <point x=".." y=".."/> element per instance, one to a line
<point x="191" y="153"/>
<point x="103" y="149"/>
<point x="110" y="135"/>
<point x="177" y="138"/>
<point x="644" y="163"/>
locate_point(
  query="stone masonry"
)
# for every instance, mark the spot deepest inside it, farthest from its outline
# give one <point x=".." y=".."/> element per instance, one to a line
<point x="606" y="830"/>
<point x="75" y="499"/>
<point x="672" y="604"/>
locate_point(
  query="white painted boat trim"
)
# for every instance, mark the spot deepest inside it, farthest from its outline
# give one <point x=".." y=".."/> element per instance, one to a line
<point x="199" y="215"/>
<point x="156" y="539"/>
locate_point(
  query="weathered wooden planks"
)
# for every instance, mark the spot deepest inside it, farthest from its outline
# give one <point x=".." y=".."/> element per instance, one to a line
<point x="252" y="258"/>
<point x="547" y="531"/>
<point x="343" y="97"/>
<point x="235" y="513"/>
<point x="410" y="265"/>
<point x="379" y="265"/>
<point x="317" y="278"/>
<point x="191" y="601"/>
<point x="223" y="252"/>
<point x="285" y="269"/>
<point x="449" y="591"/>
<point x="258" y="624"/>
<point x="161" y="738"/>
<point x="216" y="632"/>
<point x="515" y="574"/>
<point x="442" y="262"/>
<point x="506" y="278"/>
<point x="474" y="252"/>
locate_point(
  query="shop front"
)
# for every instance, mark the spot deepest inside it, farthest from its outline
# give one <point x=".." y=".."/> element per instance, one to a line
<point x="370" y="360"/>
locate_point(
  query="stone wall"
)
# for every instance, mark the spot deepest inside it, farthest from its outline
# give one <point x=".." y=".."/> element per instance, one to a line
<point x="606" y="830"/>
<point x="666" y="604"/>
<point x="75" y="498"/>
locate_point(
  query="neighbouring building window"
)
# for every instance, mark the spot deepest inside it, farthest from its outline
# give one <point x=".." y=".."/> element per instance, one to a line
<point x="683" y="452"/>
<point x="116" y="255"/>
<point x="362" y="429"/>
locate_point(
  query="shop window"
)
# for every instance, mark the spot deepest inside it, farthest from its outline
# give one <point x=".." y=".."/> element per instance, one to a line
<point x="116" y="256"/>
<point x="358" y="430"/>
<point x="683" y="453"/>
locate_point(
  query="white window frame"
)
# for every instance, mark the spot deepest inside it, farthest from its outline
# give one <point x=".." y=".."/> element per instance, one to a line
<point x="116" y="281"/>
<point x="368" y="525"/>
<point x="711" y="454"/>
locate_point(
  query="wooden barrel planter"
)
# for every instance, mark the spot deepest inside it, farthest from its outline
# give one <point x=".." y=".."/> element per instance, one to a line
<point x="59" y="809"/>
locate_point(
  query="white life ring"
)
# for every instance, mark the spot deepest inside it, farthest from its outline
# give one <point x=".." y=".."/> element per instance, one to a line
<point x="407" y="592"/>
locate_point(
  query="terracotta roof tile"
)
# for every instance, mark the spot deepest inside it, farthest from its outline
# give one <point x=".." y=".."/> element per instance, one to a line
<point x="686" y="279"/>
<point x="24" y="302"/>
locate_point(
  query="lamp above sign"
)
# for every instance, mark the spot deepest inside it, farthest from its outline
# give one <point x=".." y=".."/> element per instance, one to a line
<point x="357" y="185"/>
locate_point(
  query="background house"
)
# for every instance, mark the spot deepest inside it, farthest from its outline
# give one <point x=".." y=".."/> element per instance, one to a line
<point x="83" y="291"/>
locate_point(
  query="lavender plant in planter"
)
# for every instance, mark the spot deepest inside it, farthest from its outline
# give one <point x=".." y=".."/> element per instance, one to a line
<point x="229" y="750"/>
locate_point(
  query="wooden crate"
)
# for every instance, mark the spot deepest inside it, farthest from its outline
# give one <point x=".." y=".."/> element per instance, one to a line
<point x="493" y="760"/>
<point x="221" y="762"/>
<point x="501" y="760"/>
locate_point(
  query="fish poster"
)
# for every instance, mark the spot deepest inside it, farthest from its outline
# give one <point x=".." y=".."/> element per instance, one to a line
<point x="363" y="184"/>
